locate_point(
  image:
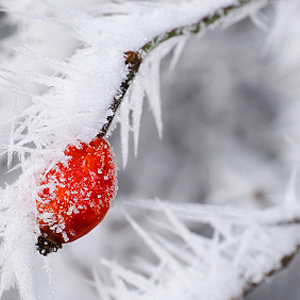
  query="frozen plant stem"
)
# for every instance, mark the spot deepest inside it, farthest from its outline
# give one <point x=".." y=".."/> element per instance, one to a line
<point x="134" y="59"/>
<point x="283" y="264"/>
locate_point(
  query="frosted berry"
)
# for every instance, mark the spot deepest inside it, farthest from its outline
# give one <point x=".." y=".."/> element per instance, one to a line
<point x="74" y="196"/>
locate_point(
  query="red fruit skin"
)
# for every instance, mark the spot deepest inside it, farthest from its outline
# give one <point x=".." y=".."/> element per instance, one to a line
<point x="75" y="196"/>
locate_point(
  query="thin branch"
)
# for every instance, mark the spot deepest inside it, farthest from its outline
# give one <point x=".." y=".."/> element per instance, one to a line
<point x="284" y="263"/>
<point x="196" y="27"/>
<point x="134" y="59"/>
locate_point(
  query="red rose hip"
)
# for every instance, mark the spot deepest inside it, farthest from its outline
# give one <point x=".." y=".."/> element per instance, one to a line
<point x="74" y="196"/>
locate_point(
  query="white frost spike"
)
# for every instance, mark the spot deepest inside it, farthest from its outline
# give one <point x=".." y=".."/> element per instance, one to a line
<point x="150" y="70"/>
<point x="17" y="266"/>
<point x="152" y="86"/>
<point x="240" y="14"/>
<point x="290" y="199"/>
<point x="157" y="249"/>
<point x="136" y="101"/>
<point x="124" y="120"/>
<point x="230" y="264"/>
<point x="190" y="239"/>
<point x="260" y="20"/>
<point x="101" y="288"/>
<point x="277" y="35"/>
<point x="22" y="267"/>
<point x="121" y="288"/>
<point x="48" y="268"/>
<point x="178" y="51"/>
<point x="130" y="277"/>
<point x="148" y="240"/>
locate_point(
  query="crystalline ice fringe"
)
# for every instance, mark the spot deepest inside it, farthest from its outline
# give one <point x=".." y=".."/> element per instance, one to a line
<point x="100" y="287"/>
<point x="48" y="268"/>
<point x="130" y="277"/>
<point x="177" y="52"/>
<point x="152" y="88"/>
<point x="124" y="120"/>
<point x="137" y="101"/>
<point x="189" y="238"/>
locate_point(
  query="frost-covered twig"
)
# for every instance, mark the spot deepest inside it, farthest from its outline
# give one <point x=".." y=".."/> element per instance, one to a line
<point x="134" y="59"/>
<point x="283" y="264"/>
<point x="241" y="249"/>
<point x="203" y="23"/>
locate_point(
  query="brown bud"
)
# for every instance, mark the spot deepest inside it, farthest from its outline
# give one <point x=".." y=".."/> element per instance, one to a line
<point x="131" y="57"/>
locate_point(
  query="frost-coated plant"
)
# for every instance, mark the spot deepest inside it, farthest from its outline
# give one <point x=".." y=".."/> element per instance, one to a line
<point x="71" y="72"/>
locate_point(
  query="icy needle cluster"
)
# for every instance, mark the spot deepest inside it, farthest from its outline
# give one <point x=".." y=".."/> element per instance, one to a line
<point x="236" y="252"/>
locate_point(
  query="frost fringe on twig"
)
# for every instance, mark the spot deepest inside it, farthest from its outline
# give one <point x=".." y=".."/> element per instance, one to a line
<point x="134" y="59"/>
<point x="239" y="251"/>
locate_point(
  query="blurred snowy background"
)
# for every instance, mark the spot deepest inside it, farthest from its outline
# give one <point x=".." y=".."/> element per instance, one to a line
<point x="231" y="136"/>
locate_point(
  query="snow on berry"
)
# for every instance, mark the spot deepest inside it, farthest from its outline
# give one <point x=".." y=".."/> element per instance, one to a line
<point x="74" y="196"/>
